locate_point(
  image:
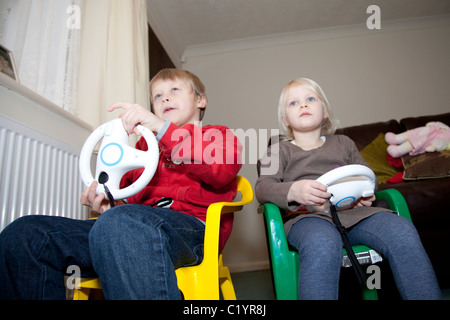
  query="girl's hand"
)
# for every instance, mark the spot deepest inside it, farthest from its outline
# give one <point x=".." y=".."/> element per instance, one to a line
<point x="367" y="202"/>
<point x="308" y="193"/>
<point x="135" y="114"/>
<point x="98" y="203"/>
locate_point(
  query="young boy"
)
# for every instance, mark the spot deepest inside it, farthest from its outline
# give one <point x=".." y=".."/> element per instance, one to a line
<point x="134" y="248"/>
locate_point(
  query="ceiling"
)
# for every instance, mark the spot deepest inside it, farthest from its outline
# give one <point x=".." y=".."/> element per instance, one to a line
<point x="182" y="23"/>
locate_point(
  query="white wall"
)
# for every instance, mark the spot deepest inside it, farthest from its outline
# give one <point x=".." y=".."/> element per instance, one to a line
<point x="368" y="75"/>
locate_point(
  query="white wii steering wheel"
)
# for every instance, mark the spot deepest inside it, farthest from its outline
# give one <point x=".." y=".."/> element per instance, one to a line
<point x="116" y="157"/>
<point x="349" y="183"/>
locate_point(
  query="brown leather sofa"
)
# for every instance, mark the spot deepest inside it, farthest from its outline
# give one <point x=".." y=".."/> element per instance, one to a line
<point x="428" y="198"/>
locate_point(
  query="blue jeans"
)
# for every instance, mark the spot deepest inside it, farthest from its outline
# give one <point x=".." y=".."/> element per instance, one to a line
<point x="319" y="246"/>
<point x="134" y="250"/>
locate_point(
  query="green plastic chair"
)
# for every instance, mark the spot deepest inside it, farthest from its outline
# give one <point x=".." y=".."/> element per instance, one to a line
<point x="285" y="263"/>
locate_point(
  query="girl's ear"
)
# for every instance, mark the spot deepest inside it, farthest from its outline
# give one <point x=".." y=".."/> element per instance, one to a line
<point x="325" y="112"/>
<point x="283" y="118"/>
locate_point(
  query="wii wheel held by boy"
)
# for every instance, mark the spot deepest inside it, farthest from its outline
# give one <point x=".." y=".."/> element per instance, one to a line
<point x="116" y="157"/>
<point x="349" y="183"/>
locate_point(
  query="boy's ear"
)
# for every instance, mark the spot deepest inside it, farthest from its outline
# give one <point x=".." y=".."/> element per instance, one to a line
<point x="202" y="101"/>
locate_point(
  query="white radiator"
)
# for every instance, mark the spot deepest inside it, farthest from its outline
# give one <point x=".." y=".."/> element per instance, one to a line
<point x="39" y="175"/>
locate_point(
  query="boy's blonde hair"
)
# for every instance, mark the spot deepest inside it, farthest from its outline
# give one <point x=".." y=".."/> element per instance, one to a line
<point x="177" y="74"/>
<point x="329" y="124"/>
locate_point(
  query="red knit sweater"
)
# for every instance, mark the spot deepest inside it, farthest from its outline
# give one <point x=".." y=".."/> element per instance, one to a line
<point x="197" y="166"/>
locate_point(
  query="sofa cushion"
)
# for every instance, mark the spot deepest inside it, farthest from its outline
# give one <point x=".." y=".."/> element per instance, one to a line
<point x="427" y="165"/>
<point x="364" y="134"/>
<point x="430" y="164"/>
<point x="375" y="155"/>
<point x="415" y="122"/>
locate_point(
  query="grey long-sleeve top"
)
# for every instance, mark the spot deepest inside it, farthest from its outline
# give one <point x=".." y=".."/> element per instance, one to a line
<point x="285" y="163"/>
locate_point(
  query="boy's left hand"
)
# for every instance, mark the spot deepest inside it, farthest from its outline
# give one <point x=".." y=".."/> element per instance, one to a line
<point x="367" y="202"/>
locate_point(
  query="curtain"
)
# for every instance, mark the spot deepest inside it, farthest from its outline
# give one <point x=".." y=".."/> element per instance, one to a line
<point x="83" y="55"/>
<point x="45" y="49"/>
<point x="114" y="63"/>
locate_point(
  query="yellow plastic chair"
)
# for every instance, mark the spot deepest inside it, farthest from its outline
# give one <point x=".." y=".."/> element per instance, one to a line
<point x="203" y="281"/>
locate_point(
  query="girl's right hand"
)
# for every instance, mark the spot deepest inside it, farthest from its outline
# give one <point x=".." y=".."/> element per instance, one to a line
<point x="97" y="203"/>
<point x="308" y="193"/>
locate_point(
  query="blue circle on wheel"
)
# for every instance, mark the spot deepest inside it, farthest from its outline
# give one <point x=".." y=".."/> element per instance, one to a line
<point x="344" y="202"/>
<point x="110" y="147"/>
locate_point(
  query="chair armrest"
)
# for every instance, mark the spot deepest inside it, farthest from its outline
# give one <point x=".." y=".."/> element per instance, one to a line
<point x="395" y="201"/>
<point x="275" y="227"/>
<point x="215" y="210"/>
<point x="284" y="263"/>
<point x="246" y="190"/>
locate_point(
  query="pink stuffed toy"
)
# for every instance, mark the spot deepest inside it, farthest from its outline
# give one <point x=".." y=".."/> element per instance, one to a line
<point x="435" y="136"/>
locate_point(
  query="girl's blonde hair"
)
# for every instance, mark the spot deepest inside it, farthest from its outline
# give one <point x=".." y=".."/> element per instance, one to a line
<point x="173" y="74"/>
<point x="329" y="124"/>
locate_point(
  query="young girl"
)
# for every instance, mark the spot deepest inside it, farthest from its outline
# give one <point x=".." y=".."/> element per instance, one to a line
<point x="308" y="149"/>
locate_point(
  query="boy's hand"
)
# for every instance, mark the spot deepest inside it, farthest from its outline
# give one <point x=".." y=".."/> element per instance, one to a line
<point x="98" y="203"/>
<point x="135" y="114"/>
<point x="308" y="193"/>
